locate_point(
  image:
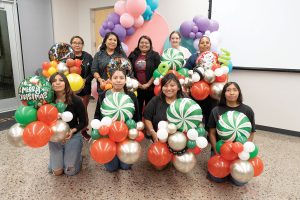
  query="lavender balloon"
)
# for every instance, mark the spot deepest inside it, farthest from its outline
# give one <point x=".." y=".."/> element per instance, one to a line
<point x="202" y="22"/>
<point x="114" y="17"/>
<point x="120" y="31"/>
<point x="186" y="28"/>
<point x="199" y="35"/>
<point x="110" y="25"/>
<point x="102" y="32"/>
<point x="213" y="25"/>
<point x="192" y="35"/>
<point x="130" y="31"/>
<point x="104" y="25"/>
<point x="195" y="29"/>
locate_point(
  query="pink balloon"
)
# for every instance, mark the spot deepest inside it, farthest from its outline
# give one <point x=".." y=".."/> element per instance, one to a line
<point x="136" y="7"/>
<point x="138" y="22"/>
<point x="120" y="7"/>
<point x="94" y="91"/>
<point x="126" y="20"/>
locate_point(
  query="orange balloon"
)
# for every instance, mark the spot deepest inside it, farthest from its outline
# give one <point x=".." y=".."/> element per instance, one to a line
<point x="45" y="73"/>
<point x="78" y="63"/>
<point x="103" y="150"/>
<point x="221" y="78"/>
<point x="237" y="147"/>
<point x="159" y="154"/>
<point x="227" y="152"/>
<point x="174" y="72"/>
<point x="258" y="165"/>
<point x="107" y="86"/>
<point x="76" y="70"/>
<point x="103" y="130"/>
<point x="157" y="89"/>
<point x="37" y="134"/>
<point x="200" y="90"/>
<point x="118" y="131"/>
<point x="53" y="64"/>
<point x="48" y="114"/>
<point x="218" y="166"/>
<point x="140" y="136"/>
<point x="46" y="65"/>
<point x="70" y="62"/>
<point x="196" y="150"/>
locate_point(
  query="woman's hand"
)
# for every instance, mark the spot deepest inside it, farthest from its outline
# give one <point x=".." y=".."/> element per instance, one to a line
<point x="154" y="136"/>
<point x="69" y="135"/>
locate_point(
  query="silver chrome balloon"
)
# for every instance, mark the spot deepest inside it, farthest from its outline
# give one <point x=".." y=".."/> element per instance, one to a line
<point x="129" y="151"/>
<point x="15" y="135"/>
<point x="140" y="126"/>
<point x="242" y="171"/>
<point x="62" y="67"/>
<point x="133" y="133"/>
<point x="177" y="141"/>
<point x="209" y="76"/>
<point x="185" y="162"/>
<point x="59" y="130"/>
<point x="216" y="90"/>
<point x="171" y="128"/>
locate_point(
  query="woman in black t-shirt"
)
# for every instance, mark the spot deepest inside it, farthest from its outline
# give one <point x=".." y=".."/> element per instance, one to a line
<point x="156" y="109"/>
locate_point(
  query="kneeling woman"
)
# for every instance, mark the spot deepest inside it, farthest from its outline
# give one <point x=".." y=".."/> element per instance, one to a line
<point x="65" y="157"/>
<point x="156" y="109"/>
<point x="231" y="100"/>
<point x="118" y="81"/>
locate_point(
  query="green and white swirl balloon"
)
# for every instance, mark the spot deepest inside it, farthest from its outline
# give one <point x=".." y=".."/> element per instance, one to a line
<point x="173" y="58"/>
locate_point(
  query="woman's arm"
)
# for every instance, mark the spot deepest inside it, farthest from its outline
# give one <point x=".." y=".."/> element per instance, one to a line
<point x="213" y="139"/>
<point x="150" y="130"/>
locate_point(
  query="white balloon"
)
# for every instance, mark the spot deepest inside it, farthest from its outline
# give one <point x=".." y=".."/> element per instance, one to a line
<point x="200" y="69"/>
<point x="190" y="72"/>
<point x="162" y="135"/>
<point x="195" y="44"/>
<point x="249" y="146"/>
<point x="67" y="116"/>
<point x="201" y="142"/>
<point x="244" y="155"/>
<point x="207" y="33"/>
<point x="156" y="81"/>
<point x="129" y="84"/>
<point x="225" y="70"/>
<point x="195" y="77"/>
<point x="135" y="83"/>
<point x="96" y="124"/>
<point x="162" y="125"/>
<point x="172" y="128"/>
<point x="107" y="121"/>
<point x="181" y="81"/>
<point x="192" y="134"/>
<point x="218" y="72"/>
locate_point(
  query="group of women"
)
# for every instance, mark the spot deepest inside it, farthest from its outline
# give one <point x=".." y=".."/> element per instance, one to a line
<point x="66" y="157"/>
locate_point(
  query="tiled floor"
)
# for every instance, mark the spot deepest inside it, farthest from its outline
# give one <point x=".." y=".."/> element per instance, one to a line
<point x="23" y="175"/>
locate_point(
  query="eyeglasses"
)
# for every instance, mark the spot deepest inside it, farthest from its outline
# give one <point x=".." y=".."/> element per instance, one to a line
<point x="75" y="43"/>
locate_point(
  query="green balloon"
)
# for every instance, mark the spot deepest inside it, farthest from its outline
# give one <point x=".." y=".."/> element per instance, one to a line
<point x="201" y="131"/>
<point x="156" y="74"/>
<point x="218" y="145"/>
<point x="131" y="123"/>
<point x="183" y="72"/>
<point x="95" y="134"/>
<point x="32" y="103"/>
<point x="254" y="153"/>
<point x="191" y="144"/>
<point x="163" y="68"/>
<point x="61" y="107"/>
<point x="25" y="115"/>
<point x="241" y="139"/>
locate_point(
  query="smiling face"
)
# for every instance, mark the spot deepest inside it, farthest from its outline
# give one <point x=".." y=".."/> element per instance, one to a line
<point x="111" y="42"/>
<point x="231" y="94"/>
<point x="58" y="84"/>
<point x="77" y="45"/>
<point x="144" y="45"/>
<point x="170" y="89"/>
<point x="204" y="44"/>
<point x="118" y="81"/>
<point x="175" y="40"/>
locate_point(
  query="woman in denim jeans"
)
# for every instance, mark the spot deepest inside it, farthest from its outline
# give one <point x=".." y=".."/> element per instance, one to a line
<point x="65" y="157"/>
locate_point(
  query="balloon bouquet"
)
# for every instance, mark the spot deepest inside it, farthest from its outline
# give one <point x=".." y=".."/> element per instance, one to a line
<point x="236" y="156"/>
<point x="61" y="56"/>
<point x="117" y="133"/>
<point x="38" y="118"/>
<point x="181" y="138"/>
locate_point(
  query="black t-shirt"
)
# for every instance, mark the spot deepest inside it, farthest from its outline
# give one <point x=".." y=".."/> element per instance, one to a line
<point x="79" y="113"/>
<point x="219" y="110"/>
<point x="156" y="111"/>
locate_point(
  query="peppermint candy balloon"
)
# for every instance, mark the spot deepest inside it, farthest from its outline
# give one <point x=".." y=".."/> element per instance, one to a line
<point x="207" y="59"/>
<point x="173" y="58"/>
<point x="232" y="125"/>
<point x="118" y="106"/>
<point x="185" y="114"/>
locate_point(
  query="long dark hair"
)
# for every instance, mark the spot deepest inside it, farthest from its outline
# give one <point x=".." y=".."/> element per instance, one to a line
<point x="113" y="71"/>
<point x="137" y="50"/>
<point x="118" y="49"/>
<point x="68" y="91"/>
<point x="166" y="79"/>
<point x="222" y="101"/>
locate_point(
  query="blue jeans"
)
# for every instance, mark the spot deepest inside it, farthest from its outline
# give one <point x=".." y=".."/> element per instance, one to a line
<point x="66" y="156"/>
<point x="222" y="180"/>
<point x="116" y="164"/>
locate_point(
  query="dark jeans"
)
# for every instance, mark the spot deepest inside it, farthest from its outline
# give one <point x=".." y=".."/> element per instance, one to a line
<point x="144" y="96"/>
<point x="116" y="164"/>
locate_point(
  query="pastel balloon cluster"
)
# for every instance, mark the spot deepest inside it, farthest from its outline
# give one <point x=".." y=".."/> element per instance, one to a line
<point x="237" y="159"/>
<point x="35" y="127"/>
<point x="126" y="18"/>
<point x="151" y="7"/>
<point x="116" y="138"/>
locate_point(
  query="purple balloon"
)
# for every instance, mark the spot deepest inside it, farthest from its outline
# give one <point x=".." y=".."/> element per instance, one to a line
<point x="186" y="28"/>
<point x="202" y="22"/>
<point x="130" y="31"/>
<point x="120" y="31"/>
<point x="192" y="35"/>
<point x="213" y="25"/>
<point x="110" y="25"/>
<point x="104" y="25"/>
<point x="195" y="29"/>
<point x="102" y="32"/>
<point x="114" y="18"/>
<point x="199" y="35"/>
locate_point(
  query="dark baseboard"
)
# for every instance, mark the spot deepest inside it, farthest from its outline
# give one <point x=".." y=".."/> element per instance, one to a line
<point x="277" y="130"/>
